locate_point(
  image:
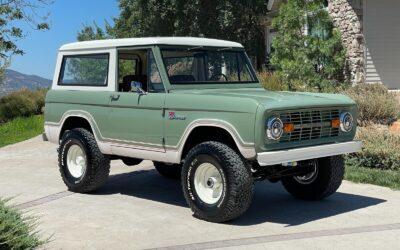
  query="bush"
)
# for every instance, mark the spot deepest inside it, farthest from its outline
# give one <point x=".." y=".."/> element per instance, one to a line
<point x="21" y="103"/>
<point x="316" y="60"/>
<point x="17" y="231"/>
<point x="271" y="81"/>
<point x="381" y="149"/>
<point x="375" y="104"/>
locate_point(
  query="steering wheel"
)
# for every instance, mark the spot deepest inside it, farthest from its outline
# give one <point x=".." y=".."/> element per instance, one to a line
<point x="218" y="76"/>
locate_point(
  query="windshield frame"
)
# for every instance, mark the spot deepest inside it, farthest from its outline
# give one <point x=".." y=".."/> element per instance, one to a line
<point x="210" y="84"/>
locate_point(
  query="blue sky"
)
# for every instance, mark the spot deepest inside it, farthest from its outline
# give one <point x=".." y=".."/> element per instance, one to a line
<point x="66" y="18"/>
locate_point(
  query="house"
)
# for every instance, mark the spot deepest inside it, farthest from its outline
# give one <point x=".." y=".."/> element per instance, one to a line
<point x="370" y="33"/>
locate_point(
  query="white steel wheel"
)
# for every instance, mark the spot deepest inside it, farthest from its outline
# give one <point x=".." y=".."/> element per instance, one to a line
<point x="76" y="161"/>
<point x="208" y="183"/>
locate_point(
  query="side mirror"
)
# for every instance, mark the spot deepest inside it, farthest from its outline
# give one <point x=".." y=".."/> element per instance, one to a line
<point x="137" y="87"/>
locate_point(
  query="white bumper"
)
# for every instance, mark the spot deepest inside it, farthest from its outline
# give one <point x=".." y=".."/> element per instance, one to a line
<point x="299" y="154"/>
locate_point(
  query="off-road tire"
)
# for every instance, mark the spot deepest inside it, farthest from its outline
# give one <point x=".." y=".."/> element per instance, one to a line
<point x="238" y="182"/>
<point x="170" y="171"/>
<point x="98" y="165"/>
<point x="329" y="177"/>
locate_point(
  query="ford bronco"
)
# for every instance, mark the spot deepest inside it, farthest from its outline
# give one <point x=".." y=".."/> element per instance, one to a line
<point x="195" y="108"/>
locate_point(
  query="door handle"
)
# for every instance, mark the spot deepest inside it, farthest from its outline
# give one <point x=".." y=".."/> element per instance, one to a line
<point x="114" y="97"/>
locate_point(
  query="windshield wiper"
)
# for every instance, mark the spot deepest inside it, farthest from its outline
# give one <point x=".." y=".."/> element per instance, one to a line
<point x="198" y="47"/>
<point x="222" y="49"/>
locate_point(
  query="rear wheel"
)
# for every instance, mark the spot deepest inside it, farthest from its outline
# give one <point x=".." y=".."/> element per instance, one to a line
<point x="217" y="184"/>
<point x="171" y="171"/>
<point x="82" y="166"/>
<point x="323" y="181"/>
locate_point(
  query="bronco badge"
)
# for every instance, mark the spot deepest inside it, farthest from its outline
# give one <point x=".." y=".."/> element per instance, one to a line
<point x="173" y="116"/>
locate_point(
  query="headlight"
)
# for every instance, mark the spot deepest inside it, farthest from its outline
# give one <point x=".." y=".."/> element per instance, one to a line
<point x="346" y="121"/>
<point x="274" y="128"/>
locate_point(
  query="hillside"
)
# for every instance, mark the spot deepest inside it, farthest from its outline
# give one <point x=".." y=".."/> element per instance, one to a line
<point x="15" y="80"/>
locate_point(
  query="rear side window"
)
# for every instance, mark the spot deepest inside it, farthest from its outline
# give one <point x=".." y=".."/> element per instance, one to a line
<point x="84" y="70"/>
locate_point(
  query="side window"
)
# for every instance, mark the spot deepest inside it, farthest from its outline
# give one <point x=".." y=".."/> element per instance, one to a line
<point x="131" y="65"/>
<point x="84" y="70"/>
<point x="155" y="82"/>
<point x="126" y="66"/>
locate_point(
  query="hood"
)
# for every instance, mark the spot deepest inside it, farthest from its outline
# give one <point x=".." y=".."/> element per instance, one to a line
<point x="277" y="99"/>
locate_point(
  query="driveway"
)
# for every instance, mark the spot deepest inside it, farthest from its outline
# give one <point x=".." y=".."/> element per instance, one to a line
<point x="138" y="209"/>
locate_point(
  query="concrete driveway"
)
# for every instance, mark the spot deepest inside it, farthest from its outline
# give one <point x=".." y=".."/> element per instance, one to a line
<point x="138" y="209"/>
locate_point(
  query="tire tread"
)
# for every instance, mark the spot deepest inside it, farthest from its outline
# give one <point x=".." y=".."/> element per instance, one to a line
<point x="240" y="179"/>
<point x="331" y="170"/>
<point x="97" y="161"/>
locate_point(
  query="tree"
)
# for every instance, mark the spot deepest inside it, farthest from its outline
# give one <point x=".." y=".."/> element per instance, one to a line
<point x="12" y="14"/>
<point x="224" y="19"/>
<point x="307" y="49"/>
<point x="94" y="32"/>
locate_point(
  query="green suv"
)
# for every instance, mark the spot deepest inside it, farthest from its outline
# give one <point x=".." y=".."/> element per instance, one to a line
<point x="195" y="108"/>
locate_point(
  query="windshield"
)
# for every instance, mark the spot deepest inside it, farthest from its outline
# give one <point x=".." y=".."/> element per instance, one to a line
<point x="196" y="66"/>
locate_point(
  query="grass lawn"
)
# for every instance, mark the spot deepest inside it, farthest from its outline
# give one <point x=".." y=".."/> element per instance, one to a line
<point x="20" y="129"/>
<point x="386" y="178"/>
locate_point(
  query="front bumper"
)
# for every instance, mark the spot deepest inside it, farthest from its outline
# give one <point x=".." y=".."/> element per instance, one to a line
<point x="300" y="154"/>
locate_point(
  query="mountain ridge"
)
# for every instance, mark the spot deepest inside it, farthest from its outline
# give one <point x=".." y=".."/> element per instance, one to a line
<point x="15" y="80"/>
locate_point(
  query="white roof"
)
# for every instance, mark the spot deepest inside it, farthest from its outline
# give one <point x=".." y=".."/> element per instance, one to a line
<point x="126" y="42"/>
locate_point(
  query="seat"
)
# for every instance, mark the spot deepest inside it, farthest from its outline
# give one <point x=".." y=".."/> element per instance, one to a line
<point x="126" y="82"/>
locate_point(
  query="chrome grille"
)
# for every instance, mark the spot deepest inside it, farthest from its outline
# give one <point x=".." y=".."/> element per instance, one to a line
<point x="310" y="124"/>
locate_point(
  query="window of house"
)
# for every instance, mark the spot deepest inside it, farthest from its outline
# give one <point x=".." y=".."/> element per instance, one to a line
<point x="314" y="26"/>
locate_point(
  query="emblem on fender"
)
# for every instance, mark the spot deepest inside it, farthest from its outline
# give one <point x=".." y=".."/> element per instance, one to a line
<point x="173" y="116"/>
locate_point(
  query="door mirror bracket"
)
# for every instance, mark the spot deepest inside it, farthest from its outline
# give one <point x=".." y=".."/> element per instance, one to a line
<point x="137" y="87"/>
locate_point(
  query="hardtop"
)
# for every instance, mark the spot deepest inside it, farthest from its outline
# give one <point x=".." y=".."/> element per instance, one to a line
<point x="149" y="41"/>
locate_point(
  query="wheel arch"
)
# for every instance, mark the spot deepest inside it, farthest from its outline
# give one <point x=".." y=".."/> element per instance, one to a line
<point x="215" y="131"/>
<point x="75" y="121"/>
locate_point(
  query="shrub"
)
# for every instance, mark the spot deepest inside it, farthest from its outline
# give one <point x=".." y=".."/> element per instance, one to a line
<point x="17" y="231"/>
<point x="271" y="81"/>
<point x="316" y="59"/>
<point x="381" y="149"/>
<point x="375" y="104"/>
<point x="21" y="103"/>
<point x="274" y="81"/>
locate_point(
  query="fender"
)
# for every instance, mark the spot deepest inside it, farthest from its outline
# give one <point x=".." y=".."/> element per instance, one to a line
<point x="246" y="148"/>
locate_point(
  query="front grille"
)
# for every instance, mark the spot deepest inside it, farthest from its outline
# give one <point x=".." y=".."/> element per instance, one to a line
<point x="309" y="125"/>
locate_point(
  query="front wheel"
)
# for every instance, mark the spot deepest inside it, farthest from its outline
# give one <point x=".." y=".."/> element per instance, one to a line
<point x="217" y="184"/>
<point x="323" y="181"/>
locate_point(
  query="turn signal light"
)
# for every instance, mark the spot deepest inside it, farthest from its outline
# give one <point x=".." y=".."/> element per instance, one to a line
<point x="335" y="123"/>
<point x="288" y="127"/>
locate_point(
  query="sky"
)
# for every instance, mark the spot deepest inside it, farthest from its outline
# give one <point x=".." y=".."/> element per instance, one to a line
<point x="67" y="17"/>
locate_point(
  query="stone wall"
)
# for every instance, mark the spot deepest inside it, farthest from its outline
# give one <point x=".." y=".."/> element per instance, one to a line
<point x="347" y="16"/>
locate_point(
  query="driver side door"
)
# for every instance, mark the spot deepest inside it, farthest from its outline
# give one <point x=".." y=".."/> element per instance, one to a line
<point x="136" y="120"/>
